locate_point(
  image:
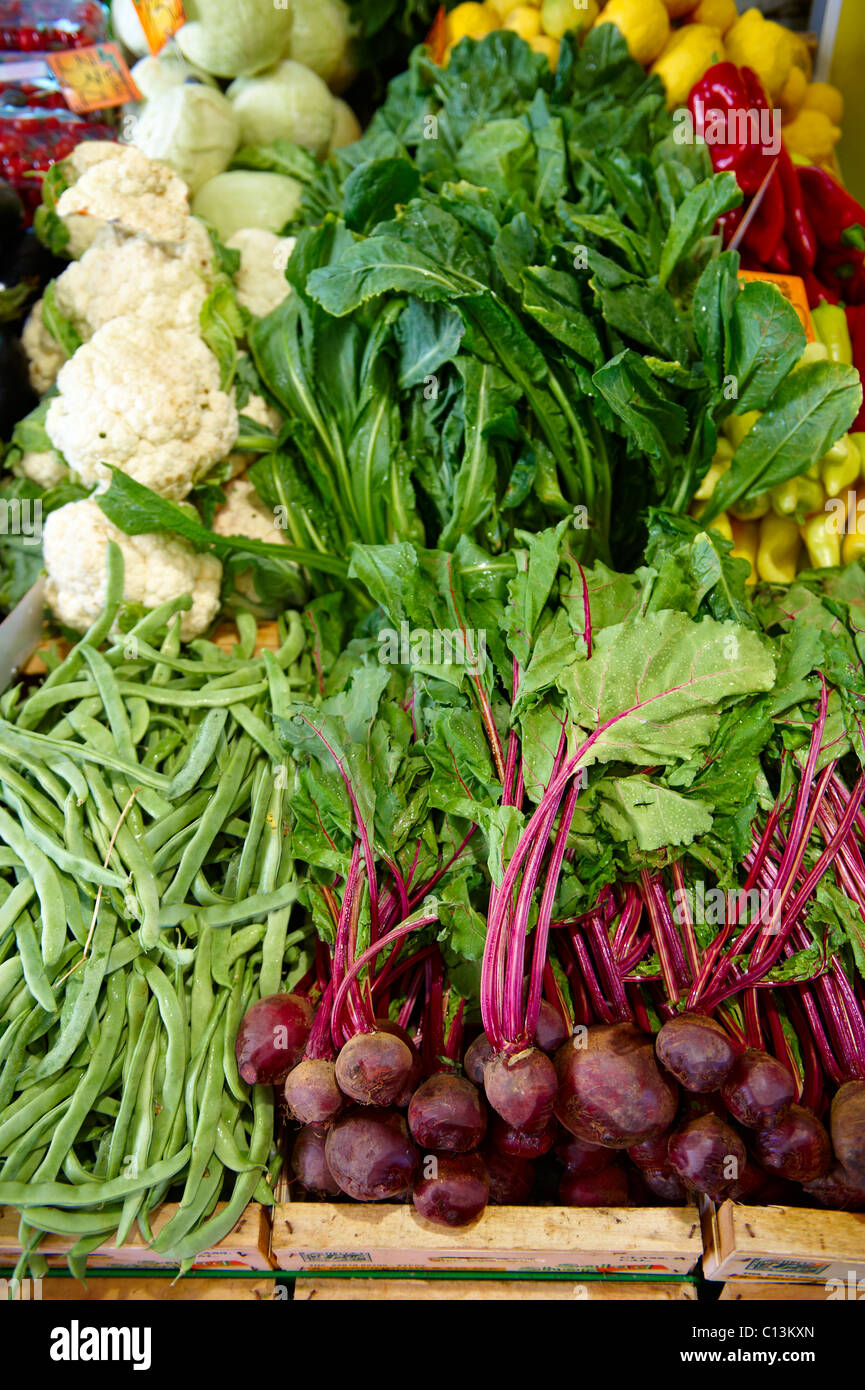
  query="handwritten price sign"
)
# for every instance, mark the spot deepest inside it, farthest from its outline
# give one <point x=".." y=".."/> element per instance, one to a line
<point x="160" y="19"/>
<point x="93" y="78"/>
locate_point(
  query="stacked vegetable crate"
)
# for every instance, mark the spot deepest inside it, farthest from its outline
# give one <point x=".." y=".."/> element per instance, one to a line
<point x="783" y="1252"/>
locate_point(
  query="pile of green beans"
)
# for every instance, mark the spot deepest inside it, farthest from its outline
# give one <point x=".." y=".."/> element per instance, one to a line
<point x="146" y="887"/>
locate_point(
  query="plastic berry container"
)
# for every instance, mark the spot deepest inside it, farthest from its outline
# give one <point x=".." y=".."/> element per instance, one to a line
<point x="34" y="26"/>
<point x="32" y="139"/>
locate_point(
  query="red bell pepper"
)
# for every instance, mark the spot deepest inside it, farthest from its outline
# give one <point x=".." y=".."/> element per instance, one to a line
<point x="800" y="234"/>
<point x="838" y="221"/>
<point x="732" y="93"/>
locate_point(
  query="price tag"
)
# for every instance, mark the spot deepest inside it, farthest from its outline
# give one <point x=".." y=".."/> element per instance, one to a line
<point x="93" y="78"/>
<point x="160" y="19"/>
<point x="793" y="289"/>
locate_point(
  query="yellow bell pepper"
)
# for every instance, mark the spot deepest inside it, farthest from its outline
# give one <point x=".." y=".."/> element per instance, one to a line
<point x="745" y="543"/>
<point x="718" y="14"/>
<point x="822" y="540"/>
<point x="469" y="20"/>
<point x="559" y="16"/>
<point x="793" y="96"/>
<point x="839" y="474"/>
<point x="822" y="96"/>
<point x="784" y="498"/>
<point x="735" y="427"/>
<point x="759" y="43"/>
<point x="717" y="469"/>
<point x="830" y="325"/>
<point x="853" y="546"/>
<point x="644" y="25"/>
<point x="814" y="352"/>
<point x="859" y="441"/>
<point x="778" y="550"/>
<point x="752" y="510"/>
<point x="690" y="52"/>
<point x="810" y="495"/>
<point x="720" y="523"/>
<point x="524" y="21"/>
<point x="813" y="135"/>
<point x="542" y="43"/>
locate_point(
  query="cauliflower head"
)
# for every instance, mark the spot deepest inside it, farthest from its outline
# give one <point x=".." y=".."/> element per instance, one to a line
<point x="163" y="285"/>
<point x="156" y="568"/>
<point x="117" y="183"/>
<point x="145" y="400"/>
<point x="244" y="514"/>
<point x="45" y="357"/>
<point x="261" y="283"/>
<point x="42" y="466"/>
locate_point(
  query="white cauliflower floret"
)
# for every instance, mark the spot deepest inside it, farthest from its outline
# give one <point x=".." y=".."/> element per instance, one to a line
<point x="244" y="514"/>
<point x="117" y="183"/>
<point x="145" y="400"/>
<point x="43" y="467"/>
<point x="261" y="283"/>
<point x="156" y="568"/>
<point x="121" y="274"/>
<point x="45" y="356"/>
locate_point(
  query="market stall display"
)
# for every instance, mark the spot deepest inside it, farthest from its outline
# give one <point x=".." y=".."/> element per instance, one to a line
<point x="512" y="854"/>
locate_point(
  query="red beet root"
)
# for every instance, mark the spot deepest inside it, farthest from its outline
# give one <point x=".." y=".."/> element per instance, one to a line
<point x="311" y="1092"/>
<point x="477" y="1055"/>
<point x="708" y="1155"/>
<point x="520" y="1143"/>
<point x="797" y="1146"/>
<point x="521" y="1088"/>
<point x="447" y="1113"/>
<point x="697" y="1051"/>
<point x="373" y="1068"/>
<point x="511" y="1179"/>
<point x="837" y="1191"/>
<point x="848" y="1130"/>
<point x="584" y="1158"/>
<point x="309" y="1163"/>
<point x="611" y="1089"/>
<point x="456" y="1191"/>
<point x="665" y="1183"/>
<point x="758" y="1089"/>
<point x="606" y="1189"/>
<point x="552" y="1030"/>
<point x="271" y="1038"/>
<point x="371" y="1155"/>
<point x="652" y="1153"/>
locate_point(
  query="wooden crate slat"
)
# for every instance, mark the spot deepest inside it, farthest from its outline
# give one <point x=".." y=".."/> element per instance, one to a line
<point x="309" y="1236"/>
<point x="783" y="1244"/>
<point x="320" y="1290"/>
<point x="246" y="1247"/>
<point x="140" y="1289"/>
<point x="763" y="1291"/>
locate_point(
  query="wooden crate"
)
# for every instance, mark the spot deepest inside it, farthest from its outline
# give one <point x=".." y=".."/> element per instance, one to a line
<point x="313" y="1236"/>
<point x="764" y="1291"/>
<point x="489" y="1290"/>
<point x="140" y="1289"/>
<point x="783" y="1244"/>
<point x="247" y="1247"/>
